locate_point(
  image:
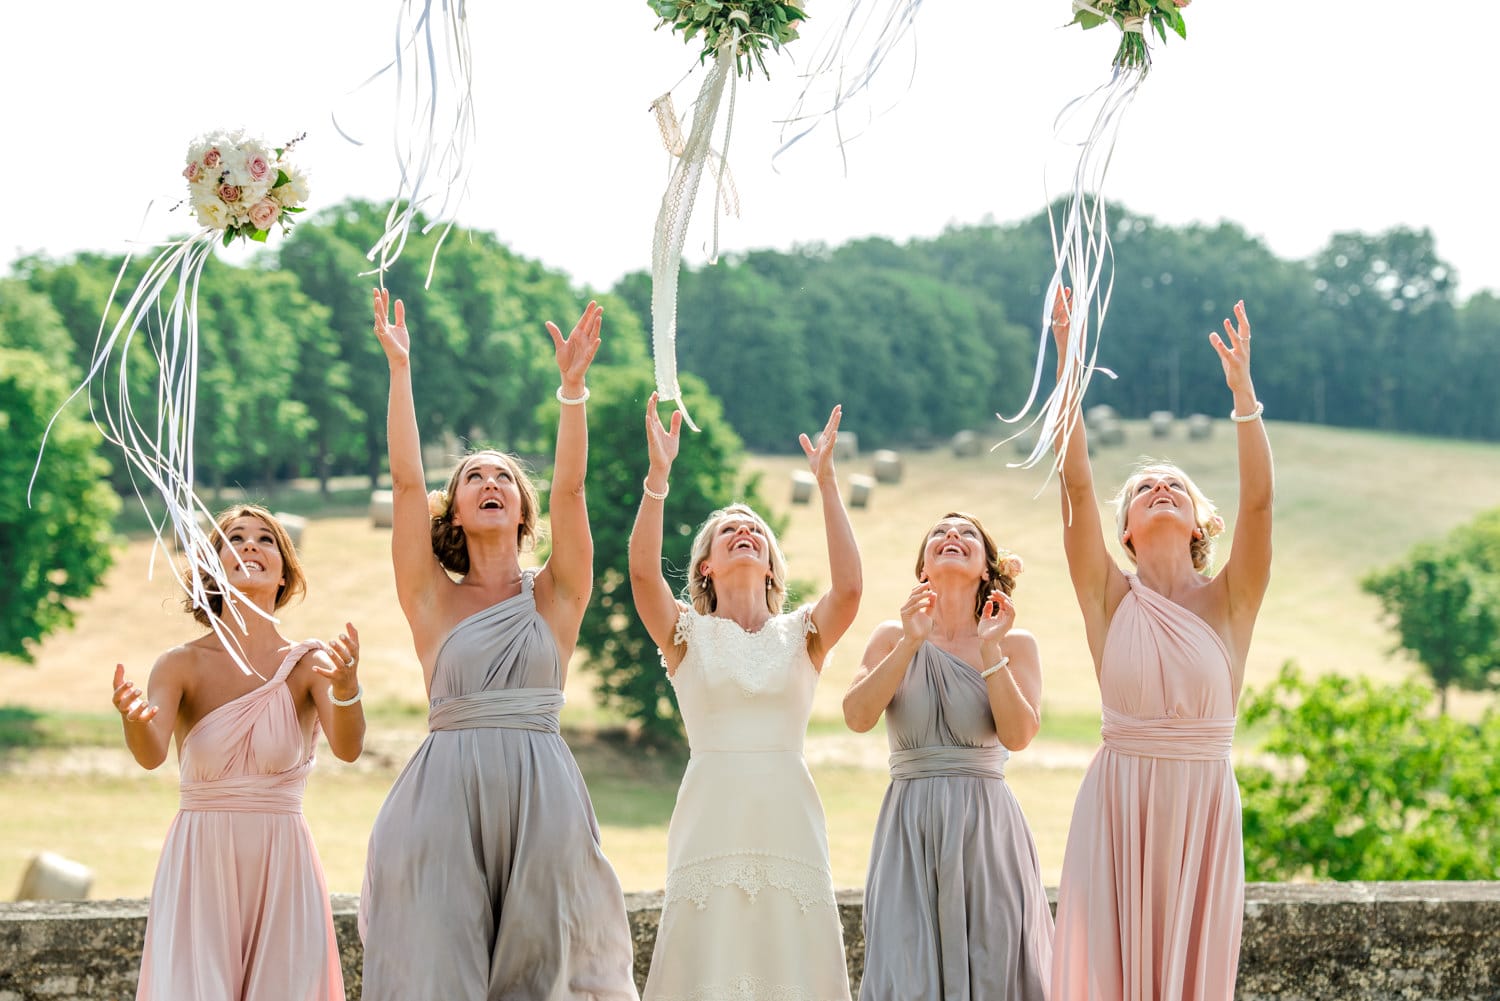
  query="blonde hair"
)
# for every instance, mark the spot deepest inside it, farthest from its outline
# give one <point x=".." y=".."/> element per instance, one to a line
<point x="701" y="593"/>
<point x="294" y="581"/>
<point x="1205" y="515"/>
<point x="449" y="543"/>
<point x="1002" y="565"/>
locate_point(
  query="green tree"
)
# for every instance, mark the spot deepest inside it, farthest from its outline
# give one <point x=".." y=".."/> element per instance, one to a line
<point x="56" y="549"/>
<point x="1444" y="604"/>
<point x="1368" y="784"/>
<point x="706" y="476"/>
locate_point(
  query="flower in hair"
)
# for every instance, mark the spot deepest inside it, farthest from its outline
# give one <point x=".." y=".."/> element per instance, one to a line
<point x="437" y="503"/>
<point x="1214" y="527"/>
<point x="1011" y="565"/>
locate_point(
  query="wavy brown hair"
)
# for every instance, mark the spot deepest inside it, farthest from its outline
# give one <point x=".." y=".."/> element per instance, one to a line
<point x="294" y="581"/>
<point x="449" y="543"/>
<point x="995" y="559"/>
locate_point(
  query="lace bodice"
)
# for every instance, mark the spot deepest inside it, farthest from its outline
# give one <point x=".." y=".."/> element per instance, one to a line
<point x="743" y="691"/>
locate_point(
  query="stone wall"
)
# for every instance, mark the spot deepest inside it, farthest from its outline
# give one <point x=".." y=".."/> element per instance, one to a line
<point x="1323" y="941"/>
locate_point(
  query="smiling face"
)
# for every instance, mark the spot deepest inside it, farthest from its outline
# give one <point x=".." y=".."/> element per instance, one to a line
<point x="959" y="548"/>
<point x="735" y="544"/>
<point x="1160" y="502"/>
<point x="257" y="554"/>
<point x="488" y="491"/>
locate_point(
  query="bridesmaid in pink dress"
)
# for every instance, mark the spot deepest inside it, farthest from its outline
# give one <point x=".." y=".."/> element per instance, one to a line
<point x="1152" y="893"/>
<point x="239" y="909"/>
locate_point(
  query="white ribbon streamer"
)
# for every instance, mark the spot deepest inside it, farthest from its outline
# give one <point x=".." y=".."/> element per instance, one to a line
<point x="844" y="62"/>
<point x="676" y="211"/>
<point x="434" y="125"/>
<point x="1084" y="261"/>
<point x="159" y="448"/>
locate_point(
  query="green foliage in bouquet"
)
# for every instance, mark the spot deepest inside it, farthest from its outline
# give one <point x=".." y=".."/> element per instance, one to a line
<point x="759" y="23"/>
<point x="1133" y="51"/>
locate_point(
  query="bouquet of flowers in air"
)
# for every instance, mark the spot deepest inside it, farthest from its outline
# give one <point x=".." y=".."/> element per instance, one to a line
<point x="759" y="23"/>
<point x="1133" y="18"/>
<point x="241" y="186"/>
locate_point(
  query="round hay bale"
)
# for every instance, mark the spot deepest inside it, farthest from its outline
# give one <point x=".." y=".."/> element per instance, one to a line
<point x="845" y="447"/>
<point x="1109" y="434"/>
<point x="804" y="485"/>
<point x="382" y="514"/>
<point x="861" y="489"/>
<point x="295" y="525"/>
<point x="887" y="466"/>
<point x="1161" y="423"/>
<point x="51" y="877"/>
<point x="1200" y="426"/>
<point x="966" y="444"/>
<point x="1098" y="416"/>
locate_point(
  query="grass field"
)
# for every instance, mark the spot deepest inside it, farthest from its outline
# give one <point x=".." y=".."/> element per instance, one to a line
<point x="1347" y="502"/>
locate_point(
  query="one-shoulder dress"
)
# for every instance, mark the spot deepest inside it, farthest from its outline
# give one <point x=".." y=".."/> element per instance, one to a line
<point x="955" y="909"/>
<point x="485" y="878"/>
<point x="239" y="908"/>
<point x="1152" y="894"/>
<point x="749" y="912"/>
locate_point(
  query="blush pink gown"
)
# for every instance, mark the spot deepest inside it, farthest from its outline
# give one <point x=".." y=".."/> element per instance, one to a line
<point x="239" y="910"/>
<point x="1152" y="894"/>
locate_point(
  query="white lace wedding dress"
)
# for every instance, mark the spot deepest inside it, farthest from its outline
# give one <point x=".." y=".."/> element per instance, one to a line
<point x="749" y="912"/>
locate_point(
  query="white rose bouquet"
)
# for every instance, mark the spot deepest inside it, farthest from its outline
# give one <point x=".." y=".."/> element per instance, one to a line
<point x="240" y="186"/>
<point x="1133" y="18"/>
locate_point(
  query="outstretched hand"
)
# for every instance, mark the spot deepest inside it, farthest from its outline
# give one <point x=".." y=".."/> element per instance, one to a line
<point x="1235" y="357"/>
<point x="394" y="339"/>
<point x="662" y="443"/>
<point x="130" y="701"/>
<point x="342" y="676"/>
<point x="576" y="352"/>
<point x="916" y="613"/>
<point x="998" y="617"/>
<point x="1062" y="312"/>
<point x="820" y="457"/>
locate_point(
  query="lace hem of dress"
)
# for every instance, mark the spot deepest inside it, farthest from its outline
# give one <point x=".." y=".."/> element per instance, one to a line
<point x="752" y="872"/>
<point x="747" y="988"/>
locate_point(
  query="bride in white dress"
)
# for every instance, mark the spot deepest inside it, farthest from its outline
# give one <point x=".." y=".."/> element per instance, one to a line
<point x="749" y="912"/>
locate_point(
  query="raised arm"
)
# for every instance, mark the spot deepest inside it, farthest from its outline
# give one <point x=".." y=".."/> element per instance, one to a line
<point x="1089" y="564"/>
<point x="418" y="573"/>
<point x="654" y="603"/>
<point x="1248" y="570"/>
<point x="568" y="577"/>
<point x="887" y="656"/>
<point x="150" y="717"/>
<point x="835" y="610"/>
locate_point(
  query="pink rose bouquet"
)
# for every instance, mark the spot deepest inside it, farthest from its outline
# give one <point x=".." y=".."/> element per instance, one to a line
<point x="1134" y="18"/>
<point x="241" y="186"/>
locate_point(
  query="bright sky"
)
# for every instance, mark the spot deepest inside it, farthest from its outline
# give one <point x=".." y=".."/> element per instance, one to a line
<point x="1293" y="120"/>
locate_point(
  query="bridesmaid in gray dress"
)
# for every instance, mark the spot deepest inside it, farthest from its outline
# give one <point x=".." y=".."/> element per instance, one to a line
<point x="485" y="878"/>
<point x="954" y="904"/>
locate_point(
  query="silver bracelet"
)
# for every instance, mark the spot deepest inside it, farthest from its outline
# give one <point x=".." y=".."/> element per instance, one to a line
<point x="653" y="494"/>
<point x="359" y="693"/>
<point x="989" y="671"/>
<point x="572" y="401"/>
<point x="1260" y="408"/>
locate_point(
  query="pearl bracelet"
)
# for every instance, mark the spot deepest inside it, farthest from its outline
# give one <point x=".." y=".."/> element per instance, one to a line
<point x="653" y="494"/>
<point x="359" y="693"/>
<point x="1260" y="408"/>
<point x="572" y="401"/>
<point x="989" y="671"/>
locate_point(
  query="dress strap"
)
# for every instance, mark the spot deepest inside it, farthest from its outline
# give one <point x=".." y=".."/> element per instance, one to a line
<point x="295" y="654"/>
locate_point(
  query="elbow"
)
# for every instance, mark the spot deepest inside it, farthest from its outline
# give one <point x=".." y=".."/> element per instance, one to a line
<point x="857" y="720"/>
<point x="1019" y="738"/>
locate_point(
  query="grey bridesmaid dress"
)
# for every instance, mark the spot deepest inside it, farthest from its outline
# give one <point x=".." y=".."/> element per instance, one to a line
<point x="954" y="904"/>
<point x="485" y="878"/>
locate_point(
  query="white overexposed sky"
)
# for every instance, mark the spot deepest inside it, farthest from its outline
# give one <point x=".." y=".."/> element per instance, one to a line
<point x="1294" y="120"/>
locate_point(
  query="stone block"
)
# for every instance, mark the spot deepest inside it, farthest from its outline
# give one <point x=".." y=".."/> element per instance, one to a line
<point x="967" y="444"/>
<point x="861" y="489"/>
<point x="887" y="466"/>
<point x="1161" y="423"/>
<point x="49" y="876"/>
<point x="1200" y="426"/>
<point x="382" y="513"/>
<point x="804" y="485"/>
<point x="295" y="526"/>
